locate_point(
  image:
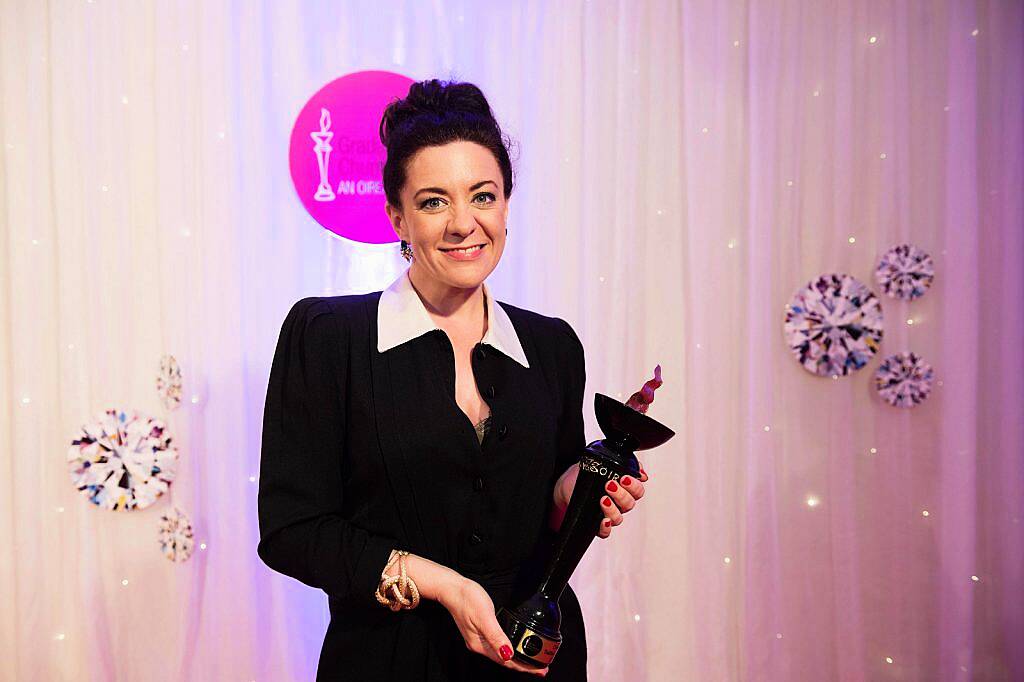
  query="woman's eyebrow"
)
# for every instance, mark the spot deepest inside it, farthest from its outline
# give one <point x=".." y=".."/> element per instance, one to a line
<point x="438" y="190"/>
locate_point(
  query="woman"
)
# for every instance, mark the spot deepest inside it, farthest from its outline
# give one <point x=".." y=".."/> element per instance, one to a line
<point x="428" y="418"/>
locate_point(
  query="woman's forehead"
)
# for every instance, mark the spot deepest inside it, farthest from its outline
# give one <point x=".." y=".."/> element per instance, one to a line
<point x="456" y="165"/>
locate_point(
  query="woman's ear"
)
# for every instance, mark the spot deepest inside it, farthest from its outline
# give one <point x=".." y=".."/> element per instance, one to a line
<point x="395" y="218"/>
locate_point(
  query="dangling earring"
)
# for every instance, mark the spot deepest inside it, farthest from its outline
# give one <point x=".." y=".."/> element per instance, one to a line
<point x="406" y="251"/>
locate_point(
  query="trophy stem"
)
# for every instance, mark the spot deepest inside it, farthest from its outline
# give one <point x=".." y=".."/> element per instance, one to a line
<point x="573" y="539"/>
<point x="533" y="625"/>
<point x="582" y="519"/>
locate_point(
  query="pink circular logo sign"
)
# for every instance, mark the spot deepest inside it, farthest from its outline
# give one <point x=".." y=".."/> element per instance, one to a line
<point x="336" y="157"/>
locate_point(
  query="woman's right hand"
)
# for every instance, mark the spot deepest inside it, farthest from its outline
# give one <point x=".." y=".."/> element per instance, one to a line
<point x="473" y="611"/>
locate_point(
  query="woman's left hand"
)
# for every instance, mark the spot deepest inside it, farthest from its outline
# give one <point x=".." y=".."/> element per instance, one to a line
<point x="621" y="497"/>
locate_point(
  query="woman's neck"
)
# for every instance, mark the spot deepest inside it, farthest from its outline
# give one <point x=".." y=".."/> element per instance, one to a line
<point x="458" y="307"/>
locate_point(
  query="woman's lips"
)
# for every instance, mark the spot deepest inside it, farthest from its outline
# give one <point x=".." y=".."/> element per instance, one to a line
<point x="463" y="256"/>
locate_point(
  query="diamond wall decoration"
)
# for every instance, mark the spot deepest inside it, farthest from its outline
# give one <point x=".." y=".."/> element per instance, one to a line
<point x="834" y="325"/>
<point x="904" y="380"/>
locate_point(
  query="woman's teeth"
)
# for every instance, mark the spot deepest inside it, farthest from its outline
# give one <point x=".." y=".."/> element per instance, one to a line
<point x="469" y="250"/>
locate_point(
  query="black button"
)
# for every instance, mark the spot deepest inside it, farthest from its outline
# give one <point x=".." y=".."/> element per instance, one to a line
<point x="490" y="391"/>
<point x="503" y="431"/>
<point x="478" y="484"/>
<point x="475" y="539"/>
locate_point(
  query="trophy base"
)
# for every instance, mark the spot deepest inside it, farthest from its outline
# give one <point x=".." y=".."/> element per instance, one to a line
<point x="324" y="193"/>
<point x="533" y="644"/>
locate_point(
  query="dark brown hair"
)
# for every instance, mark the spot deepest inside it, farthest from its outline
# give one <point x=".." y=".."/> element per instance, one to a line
<point x="435" y="113"/>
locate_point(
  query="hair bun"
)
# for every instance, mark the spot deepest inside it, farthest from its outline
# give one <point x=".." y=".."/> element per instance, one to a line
<point x="433" y="99"/>
<point x="435" y="113"/>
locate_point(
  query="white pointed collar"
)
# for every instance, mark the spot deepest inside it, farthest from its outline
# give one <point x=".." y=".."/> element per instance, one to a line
<point x="401" y="317"/>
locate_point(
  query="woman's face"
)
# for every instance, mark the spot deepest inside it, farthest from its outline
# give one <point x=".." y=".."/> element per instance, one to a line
<point x="453" y="197"/>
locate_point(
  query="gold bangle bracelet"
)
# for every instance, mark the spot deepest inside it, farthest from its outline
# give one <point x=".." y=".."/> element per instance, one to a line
<point x="401" y="586"/>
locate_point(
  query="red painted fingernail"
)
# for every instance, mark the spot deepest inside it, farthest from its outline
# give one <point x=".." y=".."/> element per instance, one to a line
<point x="607" y="501"/>
<point x="642" y="471"/>
<point x="626" y="480"/>
<point x="607" y="522"/>
<point x="506" y="652"/>
<point x="612" y="486"/>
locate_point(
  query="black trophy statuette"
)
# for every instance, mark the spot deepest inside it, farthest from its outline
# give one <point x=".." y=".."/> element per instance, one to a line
<point x="533" y="625"/>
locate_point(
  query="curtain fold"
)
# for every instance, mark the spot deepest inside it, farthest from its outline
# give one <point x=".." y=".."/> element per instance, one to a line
<point x="682" y="169"/>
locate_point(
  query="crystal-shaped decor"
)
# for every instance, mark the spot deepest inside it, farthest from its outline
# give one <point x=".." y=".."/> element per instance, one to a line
<point x="176" y="535"/>
<point x="904" y="380"/>
<point x="122" y="460"/>
<point x="905" y="272"/>
<point x="168" y="382"/>
<point x="834" y="325"/>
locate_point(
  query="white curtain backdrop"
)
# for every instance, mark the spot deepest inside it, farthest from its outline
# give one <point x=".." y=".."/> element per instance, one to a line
<point x="682" y="169"/>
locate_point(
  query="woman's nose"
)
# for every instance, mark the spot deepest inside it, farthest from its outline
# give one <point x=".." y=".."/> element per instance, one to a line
<point x="463" y="222"/>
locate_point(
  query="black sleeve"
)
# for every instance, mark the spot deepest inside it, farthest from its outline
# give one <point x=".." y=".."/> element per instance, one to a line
<point x="302" y="531"/>
<point x="571" y="438"/>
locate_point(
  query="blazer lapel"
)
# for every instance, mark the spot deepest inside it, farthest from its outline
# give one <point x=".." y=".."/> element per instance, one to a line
<point x="388" y="427"/>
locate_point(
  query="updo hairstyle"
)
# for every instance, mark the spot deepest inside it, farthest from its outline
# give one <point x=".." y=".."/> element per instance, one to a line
<point x="435" y="113"/>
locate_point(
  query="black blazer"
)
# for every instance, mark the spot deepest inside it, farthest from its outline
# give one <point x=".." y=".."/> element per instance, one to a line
<point x="364" y="451"/>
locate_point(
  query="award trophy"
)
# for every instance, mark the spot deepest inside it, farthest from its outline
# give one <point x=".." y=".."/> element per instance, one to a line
<point x="323" y="154"/>
<point x="533" y="625"/>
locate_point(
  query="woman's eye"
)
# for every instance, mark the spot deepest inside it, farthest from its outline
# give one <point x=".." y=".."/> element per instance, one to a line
<point x="427" y="202"/>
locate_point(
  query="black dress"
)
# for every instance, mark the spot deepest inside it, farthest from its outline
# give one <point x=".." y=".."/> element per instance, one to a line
<point x="364" y="451"/>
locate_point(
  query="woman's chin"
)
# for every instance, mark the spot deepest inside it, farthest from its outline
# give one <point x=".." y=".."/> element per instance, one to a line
<point x="468" y="274"/>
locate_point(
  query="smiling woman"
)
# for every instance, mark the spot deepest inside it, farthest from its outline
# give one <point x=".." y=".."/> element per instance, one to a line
<point x="447" y="179"/>
<point x="451" y="214"/>
<point x="420" y="443"/>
